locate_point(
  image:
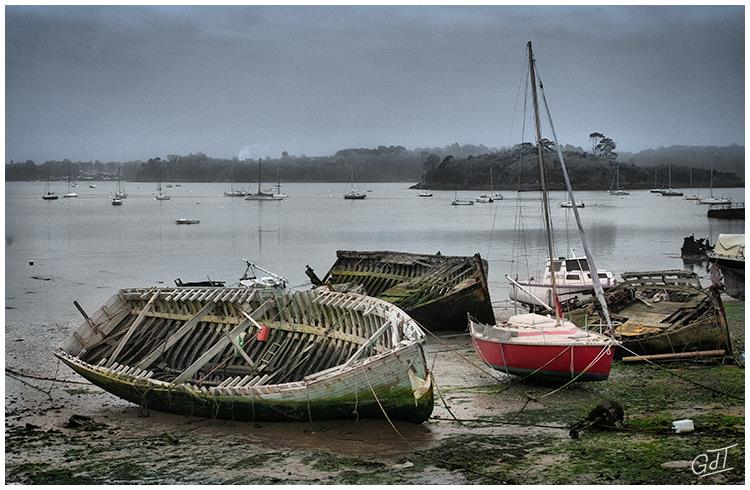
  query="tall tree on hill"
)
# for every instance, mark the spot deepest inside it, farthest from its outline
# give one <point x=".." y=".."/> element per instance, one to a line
<point x="606" y="148"/>
<point x="595" y="138"/>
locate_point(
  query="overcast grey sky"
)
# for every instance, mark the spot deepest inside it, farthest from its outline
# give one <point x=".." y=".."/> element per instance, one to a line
<point x="122" y="83"/>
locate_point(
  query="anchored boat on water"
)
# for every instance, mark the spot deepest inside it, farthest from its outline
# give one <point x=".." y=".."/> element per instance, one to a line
<point x="436" y="290"/>
<point x="240" y="354"/>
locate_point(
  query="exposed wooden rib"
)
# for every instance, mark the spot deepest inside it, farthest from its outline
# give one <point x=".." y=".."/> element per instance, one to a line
<point x="175" y="337"/>
<point x="370" y="342"/>
<point x="242" y="352"/>
<point x="132" y="328"/>
<point x="222" y="343"/>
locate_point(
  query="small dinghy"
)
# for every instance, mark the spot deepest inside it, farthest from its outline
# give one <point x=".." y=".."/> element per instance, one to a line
<point x="187" y="221"/>
<point x="241" y="354"/>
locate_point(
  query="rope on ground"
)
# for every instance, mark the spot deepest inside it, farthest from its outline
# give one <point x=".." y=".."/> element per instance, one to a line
<point x="13" y="373"/>
<point x="29" y="385"/>
<point x="413" y="448"/>
<point x="511" y="384"/>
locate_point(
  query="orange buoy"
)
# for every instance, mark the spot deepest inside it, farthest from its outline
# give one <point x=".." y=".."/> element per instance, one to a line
<point x="264" y="333"/>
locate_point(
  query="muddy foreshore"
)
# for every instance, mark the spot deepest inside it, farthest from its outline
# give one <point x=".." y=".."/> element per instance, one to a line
<point x="498" y="438"/>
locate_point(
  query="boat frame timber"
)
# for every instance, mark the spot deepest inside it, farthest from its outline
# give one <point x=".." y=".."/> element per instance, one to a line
<point x="694" y="321"/>
<point x="328" y="355"/>
<point x="436" y="290"/>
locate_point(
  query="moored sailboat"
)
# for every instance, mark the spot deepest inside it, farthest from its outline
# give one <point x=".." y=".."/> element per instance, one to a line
<point x="232" y="192"/>
<point x="669" y="192"/>
<point x="70" y="193"/>
<point x="354" y="193"/>
<point x="616" y="190"/>
<point x="161" y="196"/>
<point x="541" y="346"/>
<point x="48" y="194"/>
<point x="712" y="199"/>
<point x="260" y="195"/>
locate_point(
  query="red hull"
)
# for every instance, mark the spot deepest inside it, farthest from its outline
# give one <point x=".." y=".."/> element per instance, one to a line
<point x="551" y="362"/>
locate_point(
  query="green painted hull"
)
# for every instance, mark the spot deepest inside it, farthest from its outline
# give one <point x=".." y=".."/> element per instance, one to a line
<point x="398" y="402"/>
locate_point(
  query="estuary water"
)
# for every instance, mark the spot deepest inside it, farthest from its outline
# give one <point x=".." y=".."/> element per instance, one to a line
<point x="85" y="249"/>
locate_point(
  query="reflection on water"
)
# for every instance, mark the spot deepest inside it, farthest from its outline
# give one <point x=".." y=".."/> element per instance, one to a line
<point x="138" y="244"/>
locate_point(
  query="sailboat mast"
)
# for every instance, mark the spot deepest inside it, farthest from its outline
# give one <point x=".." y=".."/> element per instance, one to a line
<point x="670" y="176"/>
<point x="259" y="176"/>
<point x="617" y="175"/>
<point x="545" y="197"/>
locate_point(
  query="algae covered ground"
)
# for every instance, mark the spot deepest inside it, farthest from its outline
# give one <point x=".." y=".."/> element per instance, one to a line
<point x="483" y="430"/>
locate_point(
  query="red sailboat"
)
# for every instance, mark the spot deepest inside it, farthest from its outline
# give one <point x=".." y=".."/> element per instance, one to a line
<point x="537" y="346"/>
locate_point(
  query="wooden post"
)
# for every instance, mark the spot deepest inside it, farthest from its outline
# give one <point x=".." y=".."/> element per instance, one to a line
<point x="132" y="328"/>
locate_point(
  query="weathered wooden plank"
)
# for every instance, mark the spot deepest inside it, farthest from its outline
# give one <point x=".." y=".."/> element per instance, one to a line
<point x="222" y="343"/>
<point x="132" y="328"/>
<point x="367" y="344"/>
<point x="175" y="337"/>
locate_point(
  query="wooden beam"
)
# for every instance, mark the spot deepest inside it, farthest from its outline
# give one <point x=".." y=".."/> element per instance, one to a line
<point x="132" y="328"/>
<point x="242" y="352"/>
<point x="367" y="344"/>
<point x="175" y="337"/>
<point x="222" y="343"/>
<point x="679" y="355"/>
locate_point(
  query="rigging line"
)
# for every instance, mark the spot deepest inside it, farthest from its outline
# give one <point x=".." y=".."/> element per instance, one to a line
<point x="511" y="384"/>
<point x="522" y="81"/>
<point x="518" y="224"/>
<point x="592" y="266"/>
<point x="596" y="359"/>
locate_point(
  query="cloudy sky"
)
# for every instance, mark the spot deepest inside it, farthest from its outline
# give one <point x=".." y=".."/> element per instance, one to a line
<point x="122" y="83"/>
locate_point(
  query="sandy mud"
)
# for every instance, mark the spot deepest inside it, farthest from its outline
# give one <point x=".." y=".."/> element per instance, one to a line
<point x="484" y="429"/>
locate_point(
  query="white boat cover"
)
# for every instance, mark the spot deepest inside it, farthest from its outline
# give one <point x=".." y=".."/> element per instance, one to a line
<point x="730" y="245"/>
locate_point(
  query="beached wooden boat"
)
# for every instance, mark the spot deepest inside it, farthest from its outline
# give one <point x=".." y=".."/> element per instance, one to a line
<point x="242" y="354"/>
<point x="662" y="312"/>
<point x="436" y="290"/>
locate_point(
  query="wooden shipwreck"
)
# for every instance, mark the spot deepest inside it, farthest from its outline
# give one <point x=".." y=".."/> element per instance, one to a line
<point x="244" y="354"/>
<point x="436" y="290"/>
<point x="663" y="312"/>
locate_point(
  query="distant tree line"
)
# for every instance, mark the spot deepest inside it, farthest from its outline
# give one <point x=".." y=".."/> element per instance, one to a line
<point x="517" y="168"/>
<point x="448" y="167"/>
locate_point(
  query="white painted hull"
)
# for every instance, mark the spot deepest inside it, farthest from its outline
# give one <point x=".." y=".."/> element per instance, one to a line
<point x="544" y="292"/>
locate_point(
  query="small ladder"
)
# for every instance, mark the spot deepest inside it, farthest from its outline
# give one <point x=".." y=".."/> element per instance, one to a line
<point x="269" y="355"/>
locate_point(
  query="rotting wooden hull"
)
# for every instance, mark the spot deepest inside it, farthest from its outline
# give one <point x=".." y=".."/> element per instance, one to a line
<point x="690" y="319"/>
<point x="344" y="347"/>
<point x="437" y="291"/>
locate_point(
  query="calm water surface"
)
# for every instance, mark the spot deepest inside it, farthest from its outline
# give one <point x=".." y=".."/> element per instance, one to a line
<point x="84" y="248"/>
